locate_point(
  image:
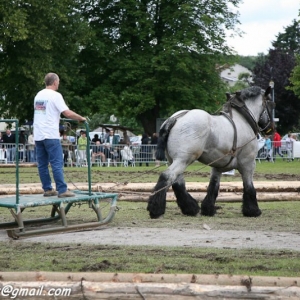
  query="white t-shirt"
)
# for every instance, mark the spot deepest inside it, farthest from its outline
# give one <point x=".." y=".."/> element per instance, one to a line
<point x="48" y="105"/>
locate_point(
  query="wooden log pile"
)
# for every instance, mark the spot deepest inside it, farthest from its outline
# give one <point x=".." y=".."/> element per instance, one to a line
<point x="90" y="286"/>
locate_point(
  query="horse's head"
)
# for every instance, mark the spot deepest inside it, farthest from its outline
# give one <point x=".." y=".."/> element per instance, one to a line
<point x="258" y="111"/>
<point x="266" y="121"/>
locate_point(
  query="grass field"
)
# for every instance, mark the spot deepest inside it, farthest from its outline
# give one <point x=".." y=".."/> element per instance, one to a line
<point x="196" y="172"/>
<point x="22" y="255"/>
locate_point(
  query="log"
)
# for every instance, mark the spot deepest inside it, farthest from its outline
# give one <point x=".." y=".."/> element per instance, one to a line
<point x="90" y="286"/>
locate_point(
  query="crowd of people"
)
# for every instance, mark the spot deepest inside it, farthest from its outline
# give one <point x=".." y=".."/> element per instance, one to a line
<point x="273" y="146"/>
<point x="26" y="146"/>
<point x="107" y="149"/>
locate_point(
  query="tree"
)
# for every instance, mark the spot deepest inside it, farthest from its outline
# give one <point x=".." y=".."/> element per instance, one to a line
<point x="148" y="59"/>
<point x="278" y="66"/>
<point x="248" y="61"/>
<point x="289" y="40"/>
<point x="295" y="77"/>
<point x="36" y="38"/>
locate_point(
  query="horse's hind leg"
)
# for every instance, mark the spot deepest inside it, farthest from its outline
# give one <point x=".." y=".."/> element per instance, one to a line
<point x="157" y="201"/>
<point x="185" y="201"/>
<point x="208" y="204"/>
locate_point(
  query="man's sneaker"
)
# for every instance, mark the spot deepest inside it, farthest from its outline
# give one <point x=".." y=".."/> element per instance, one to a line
<point x="50" y="193"/>
<point x="66" y="194"/>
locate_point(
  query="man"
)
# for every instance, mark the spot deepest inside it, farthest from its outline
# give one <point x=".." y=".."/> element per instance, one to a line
<point x="277" y="145"/>
<point x="98" y="152"/>
<point x="66" y="147"/>
<point x="113" y="140"/>
<point x="9" y="139"/>
<point x="31" y="148"/>
<point x="48" y="105"/>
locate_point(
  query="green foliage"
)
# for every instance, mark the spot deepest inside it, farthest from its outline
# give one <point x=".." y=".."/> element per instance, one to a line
<point x="155" y="59"/>
<point x="38" y="37"/>
<point x="278" y="65"/>
<point x="239" y="85"/>
<point x="289" y="40"/>
<point x="139" y="60"/>
<point x="295" y="77"/>
<point x="248" y="61"/>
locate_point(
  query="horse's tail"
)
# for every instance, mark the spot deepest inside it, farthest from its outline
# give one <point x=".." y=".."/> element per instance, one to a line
<point x="163" y="138"/>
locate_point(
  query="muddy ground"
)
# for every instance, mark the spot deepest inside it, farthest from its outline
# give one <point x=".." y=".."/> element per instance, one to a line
<point x="201" y="237"/>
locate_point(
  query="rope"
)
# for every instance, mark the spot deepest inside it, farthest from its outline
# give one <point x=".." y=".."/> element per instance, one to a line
<point x="157" y="167"/>
<point x="229" y="153"/>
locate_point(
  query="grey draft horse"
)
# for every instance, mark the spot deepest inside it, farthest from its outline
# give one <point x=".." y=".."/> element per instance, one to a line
<point x="224" y="142"/>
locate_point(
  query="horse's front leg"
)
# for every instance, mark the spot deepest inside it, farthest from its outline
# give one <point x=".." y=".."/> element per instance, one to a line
<point x="250" y="205"/>
<point x="208" y="204"/>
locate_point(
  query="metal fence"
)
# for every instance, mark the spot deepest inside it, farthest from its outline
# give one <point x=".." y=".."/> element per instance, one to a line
<point x="102" y="155"/>
<point x="117" y="155"/>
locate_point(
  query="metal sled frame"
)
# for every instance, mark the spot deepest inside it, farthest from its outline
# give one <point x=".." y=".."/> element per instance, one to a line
<point x="60" y="206"/>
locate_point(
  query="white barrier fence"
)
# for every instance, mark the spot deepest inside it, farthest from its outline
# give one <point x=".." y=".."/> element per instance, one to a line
<point x="135" y="155"/>
<point x="283" y="152"/>
<point x="103" y="155"/>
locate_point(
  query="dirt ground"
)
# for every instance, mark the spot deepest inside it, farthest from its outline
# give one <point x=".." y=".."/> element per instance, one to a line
<point x="202" y="237"/>
<point x="228" y="239"/>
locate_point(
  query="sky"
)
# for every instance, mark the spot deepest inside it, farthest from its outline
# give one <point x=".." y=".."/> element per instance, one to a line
<point x="261" y="21"/>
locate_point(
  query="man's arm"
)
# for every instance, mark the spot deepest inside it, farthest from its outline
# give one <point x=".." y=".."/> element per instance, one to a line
<point x="70" y="114"/>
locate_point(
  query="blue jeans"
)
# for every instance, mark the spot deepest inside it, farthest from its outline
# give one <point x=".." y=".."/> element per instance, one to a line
<point x="11" y="153"/>
<point x="50" y="151"/>
<point x="31" y="155"/>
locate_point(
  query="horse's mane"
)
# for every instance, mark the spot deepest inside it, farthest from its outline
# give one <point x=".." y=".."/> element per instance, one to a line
<point x="250" y="92"/>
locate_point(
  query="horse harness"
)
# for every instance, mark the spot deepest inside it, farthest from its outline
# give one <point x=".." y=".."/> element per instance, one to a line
<point x="239" y="104"/>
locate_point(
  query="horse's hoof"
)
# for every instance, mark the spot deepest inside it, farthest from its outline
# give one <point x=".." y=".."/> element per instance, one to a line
<point x="152" y="216"/>
<point x="208" y="211"/>
<point x="252" y="213"/>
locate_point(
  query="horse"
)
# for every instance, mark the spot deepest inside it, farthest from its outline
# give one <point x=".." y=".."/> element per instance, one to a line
<point x="226" y="141"/>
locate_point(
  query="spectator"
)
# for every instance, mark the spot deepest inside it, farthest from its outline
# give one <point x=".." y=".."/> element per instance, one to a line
<point x="289" y="147"/>
<point x="82" y="144"/>
<point x="154" y="140"/>
<point x="277" y="145"/>
<point x="22" y="143"/>
<point x="95" y="138"/>
<point x="98" y="151"/>
<point x="268" y="144"/>
<point x="127" y="154"/>
<point x="66" y="144"/>
<point x="2" y="146"/>
<point x="145" y="150"/>
<point x="113" y="140"/>
<point x="9" y="139"/>
<point x="31" y="157"/>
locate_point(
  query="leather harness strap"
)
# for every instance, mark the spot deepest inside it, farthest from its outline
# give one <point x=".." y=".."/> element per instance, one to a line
<point x="241" y="107"/>
<point x="237" y="103"/>
<point x="233" y="151"/>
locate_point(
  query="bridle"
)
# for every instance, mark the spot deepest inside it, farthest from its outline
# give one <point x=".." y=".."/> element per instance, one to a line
<point x="265" y="121"/>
